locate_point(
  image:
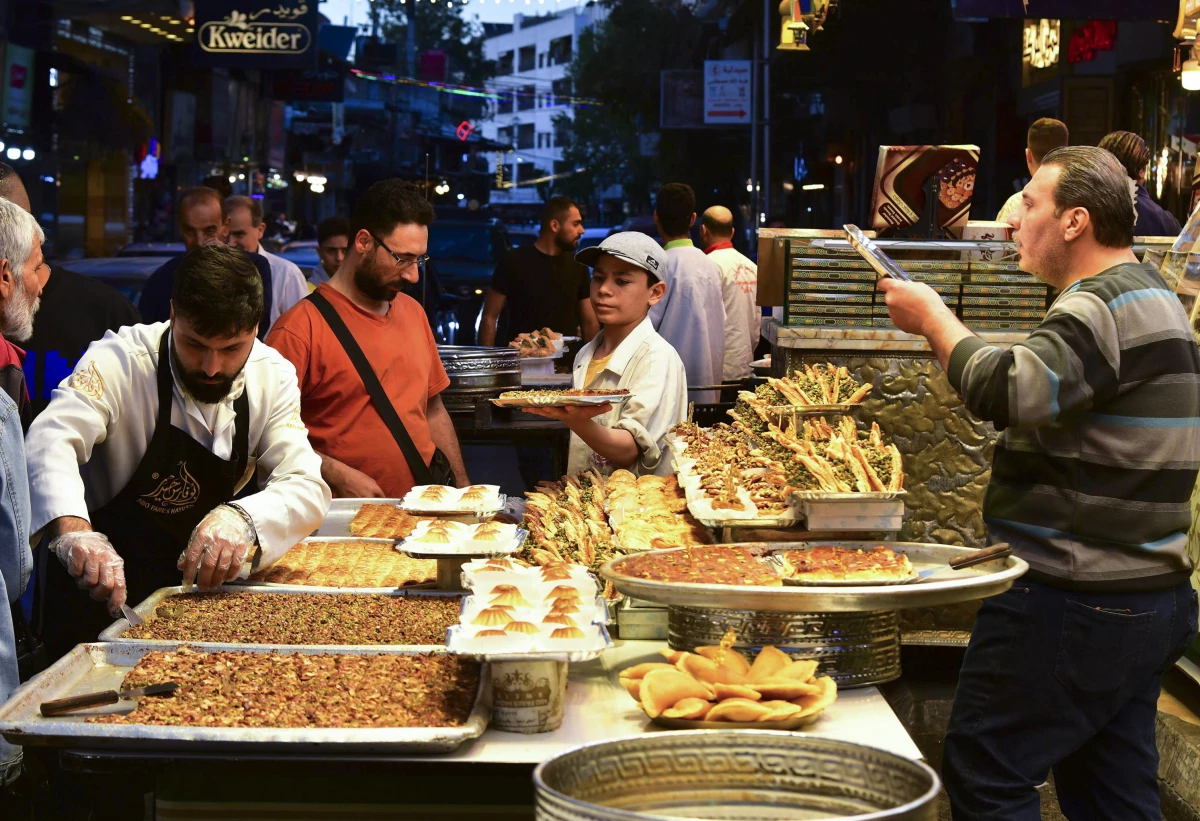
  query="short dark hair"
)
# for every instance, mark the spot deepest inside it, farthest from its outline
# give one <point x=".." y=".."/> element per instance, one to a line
<point x="197" y="195"/>
<point x="556" y="208"/>
<point x="675" y="206"/>
<point x="1130" y="150"/>
<point x="218" y="290"/>
<point x="10" y="181"/>
<point x="1090" y="177"/>
<point x="1045" y="135"/>
<point x="716" y="227"/>
<point x="333" y="227"/>
<point x="255" y="206"/>
<point x="389" y="203"/>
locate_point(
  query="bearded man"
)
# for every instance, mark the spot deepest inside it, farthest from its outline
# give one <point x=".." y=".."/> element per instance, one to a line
<point x="134" y="464"/>
<point x="369" y="370"/>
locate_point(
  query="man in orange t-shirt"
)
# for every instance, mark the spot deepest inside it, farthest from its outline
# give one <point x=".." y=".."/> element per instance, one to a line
<point x="359" y="456"/>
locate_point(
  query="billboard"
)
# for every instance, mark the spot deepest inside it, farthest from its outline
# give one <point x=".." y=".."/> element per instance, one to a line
<point x="249" y="34"/>
<point x="18" y="85"/>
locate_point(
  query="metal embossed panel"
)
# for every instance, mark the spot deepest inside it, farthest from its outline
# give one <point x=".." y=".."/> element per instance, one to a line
<point x="855" y="649"/>
<point x="732" y="774"/>
<point x="947" y="452"/>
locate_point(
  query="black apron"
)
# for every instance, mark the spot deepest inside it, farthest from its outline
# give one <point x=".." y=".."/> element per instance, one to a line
<point x="149" y="522"/>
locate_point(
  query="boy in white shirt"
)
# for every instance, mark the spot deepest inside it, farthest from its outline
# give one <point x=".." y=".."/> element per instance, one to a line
<point x="628" y="353"/>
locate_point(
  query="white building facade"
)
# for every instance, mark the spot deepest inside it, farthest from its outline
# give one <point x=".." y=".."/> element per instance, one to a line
<point x="532" y="67"/>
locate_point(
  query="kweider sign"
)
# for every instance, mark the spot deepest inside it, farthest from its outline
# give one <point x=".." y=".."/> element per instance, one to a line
<point x="253" y="34"/>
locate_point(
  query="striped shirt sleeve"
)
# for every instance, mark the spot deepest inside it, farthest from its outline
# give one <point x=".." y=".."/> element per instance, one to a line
<point x="1070" y="364"/>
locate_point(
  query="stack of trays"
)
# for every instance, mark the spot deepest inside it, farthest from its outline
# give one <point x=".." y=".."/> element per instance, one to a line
<point x="526" y="613"/>
<point x="836" y="288"/>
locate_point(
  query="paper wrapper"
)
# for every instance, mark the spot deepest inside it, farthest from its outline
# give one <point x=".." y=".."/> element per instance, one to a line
<point x="528" y="696"/>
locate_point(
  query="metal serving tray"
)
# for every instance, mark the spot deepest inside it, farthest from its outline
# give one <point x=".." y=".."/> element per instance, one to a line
<point x="342" y="512"/>
<point x="117" y="630"/>
<point x="978" y="582"/>
<point x="560" y="401"/>
<point x="94" y="667"/>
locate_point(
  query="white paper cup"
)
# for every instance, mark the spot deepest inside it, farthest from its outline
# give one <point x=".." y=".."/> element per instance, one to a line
<point x="528" y="696"/>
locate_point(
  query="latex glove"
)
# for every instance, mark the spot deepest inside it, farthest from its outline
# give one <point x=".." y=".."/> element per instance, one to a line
<point x="218" y="548"/>
<point x="92" y="560"/>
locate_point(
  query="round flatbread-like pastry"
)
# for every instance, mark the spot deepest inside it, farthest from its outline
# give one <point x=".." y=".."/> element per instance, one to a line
<point x="662" y="689"/>
<point x="492" y="617"/>
<point x="785" y="689"/>
<point x="563" y="620"/>
<point x="708" y="671"/>
<point x="737" y="709"/>
<point x="816" y="703"/>
<point x="725" y="691"/>
<point x="512" y="598"/>
<point x="568" y="633"/>
<point x="780" y="710"/>
<point x="490" y="634"/>
<point x="528" y="628"/>
<point x="803" y="670"/>
<point x="694" y="709"/>
<point x="728" y="658"/>
<point x="769" y="661"/>
<point x="639" y="671"/>
<point x="633" y="686"/>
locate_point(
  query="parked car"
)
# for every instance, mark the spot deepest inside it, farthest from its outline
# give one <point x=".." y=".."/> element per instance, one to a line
<point x="463" y="254"/>
<point x="128" y="274"/>
<point x="153" y="249"/>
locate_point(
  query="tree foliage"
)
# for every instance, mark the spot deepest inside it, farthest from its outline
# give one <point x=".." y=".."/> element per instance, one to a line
<point x="437" y="26"/>
<point x="619" y="63"/>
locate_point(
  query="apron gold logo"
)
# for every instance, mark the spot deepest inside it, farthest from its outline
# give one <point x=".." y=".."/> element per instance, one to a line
<point x="175" y="493"/>
<point x="88" y="381"/>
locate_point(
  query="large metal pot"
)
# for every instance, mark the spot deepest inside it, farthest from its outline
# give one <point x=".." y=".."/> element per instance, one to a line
<point x="733" y="774"/>
<point x="478" y="374"/>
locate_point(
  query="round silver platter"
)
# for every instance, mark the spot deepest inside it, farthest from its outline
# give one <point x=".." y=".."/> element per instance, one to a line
<point x="981" y="581"/>
<point x="733" y="774"/>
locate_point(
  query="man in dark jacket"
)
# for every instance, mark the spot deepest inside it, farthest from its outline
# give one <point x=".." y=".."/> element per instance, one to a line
<point x="1132" y="152"/>
<point x="75" y="311"/>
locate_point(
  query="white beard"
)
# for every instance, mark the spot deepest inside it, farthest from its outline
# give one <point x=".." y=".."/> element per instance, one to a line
<point x="17" y="316"/>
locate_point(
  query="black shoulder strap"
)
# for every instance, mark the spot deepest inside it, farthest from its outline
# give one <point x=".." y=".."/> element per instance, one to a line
<point x="379" y="397"/>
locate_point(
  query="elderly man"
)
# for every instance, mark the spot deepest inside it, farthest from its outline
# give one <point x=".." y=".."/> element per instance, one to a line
<point x="135" y="463"/>
<point x="739" y="288"/>
<point x="1099" y="413"/>
<point x="201" y="219"/>
<point x="21" y="264"/>
<point x="245" y="226"/>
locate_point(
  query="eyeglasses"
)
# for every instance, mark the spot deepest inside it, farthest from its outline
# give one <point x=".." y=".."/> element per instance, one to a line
<point x="403" y="262"/>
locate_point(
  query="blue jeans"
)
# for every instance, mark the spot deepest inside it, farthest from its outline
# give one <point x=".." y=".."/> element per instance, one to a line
<point x="1065" y="681"/>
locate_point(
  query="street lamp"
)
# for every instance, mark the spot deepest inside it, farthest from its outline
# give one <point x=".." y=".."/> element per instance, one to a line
<point x="28" y="154"/>
<point x="13" y="153"/>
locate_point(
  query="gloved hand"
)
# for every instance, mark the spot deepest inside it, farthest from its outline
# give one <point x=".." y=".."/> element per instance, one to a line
<point x="218" y="548"/>
<point x="91" y="559"/>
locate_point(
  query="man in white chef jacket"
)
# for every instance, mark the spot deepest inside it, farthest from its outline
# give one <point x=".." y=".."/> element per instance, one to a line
<point x="134" y="464"/>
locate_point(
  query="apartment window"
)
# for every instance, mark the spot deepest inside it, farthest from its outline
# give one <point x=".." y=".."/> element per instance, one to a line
<point x="561" y="51"/>
<point x="504" y="135"/>
<point x="560" y="88"/>
<point x="504" y="64"/>
<point x="527" y="98"/>
<point x="525" y="138"/>
<point x="542" y="60"/>
<point x="562" y="126"/>
<point x="528" y="58"/>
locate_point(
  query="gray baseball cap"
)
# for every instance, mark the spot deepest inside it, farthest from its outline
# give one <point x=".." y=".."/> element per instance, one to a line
<point x="631" y="246"/>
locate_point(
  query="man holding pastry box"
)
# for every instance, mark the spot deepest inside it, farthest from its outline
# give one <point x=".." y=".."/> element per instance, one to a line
<point x="1099" y="418"/>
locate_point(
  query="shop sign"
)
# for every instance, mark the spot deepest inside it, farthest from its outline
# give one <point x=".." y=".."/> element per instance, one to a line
<point x="1041" y="43"/>
<point x="1096" y="35"/>
<point x="252" y="34"/>
<point x="727" y="92"/>
<point x="18" y="85"/>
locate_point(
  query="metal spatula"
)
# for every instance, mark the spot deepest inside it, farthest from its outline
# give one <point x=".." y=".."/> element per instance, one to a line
<point x="133" y="618"/>
<point x="62" y="706"/>
<point x="987" y="554"/>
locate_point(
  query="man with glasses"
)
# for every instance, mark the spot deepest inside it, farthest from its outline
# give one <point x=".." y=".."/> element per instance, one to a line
<point x="369" y="371"/>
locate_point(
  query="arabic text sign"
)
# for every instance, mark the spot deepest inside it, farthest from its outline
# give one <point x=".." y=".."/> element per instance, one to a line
<point x="727" y="99"/>
<point x="265" y="34"/>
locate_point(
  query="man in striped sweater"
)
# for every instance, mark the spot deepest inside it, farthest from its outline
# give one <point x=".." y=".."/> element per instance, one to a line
<point x="1099" y="419"/>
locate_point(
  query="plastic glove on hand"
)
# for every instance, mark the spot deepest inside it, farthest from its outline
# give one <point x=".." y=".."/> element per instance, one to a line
<point x="217" y="549"/>
<point x="91" y="559"/>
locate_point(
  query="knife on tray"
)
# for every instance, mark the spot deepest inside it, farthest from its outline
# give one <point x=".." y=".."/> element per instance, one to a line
<point x="131" y="616"/>
<point x="987" y="554"/>
<point x="63" y="706"/>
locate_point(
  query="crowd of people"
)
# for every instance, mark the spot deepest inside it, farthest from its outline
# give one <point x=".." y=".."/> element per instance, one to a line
<point x="202" y="439"/>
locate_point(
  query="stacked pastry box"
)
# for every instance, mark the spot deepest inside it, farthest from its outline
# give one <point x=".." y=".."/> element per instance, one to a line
<point x="515" y="612"/>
